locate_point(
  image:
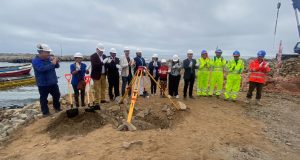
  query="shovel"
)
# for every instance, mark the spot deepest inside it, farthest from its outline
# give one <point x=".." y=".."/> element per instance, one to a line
<point x="90" y="106"/>
<point x="71" y="112"/>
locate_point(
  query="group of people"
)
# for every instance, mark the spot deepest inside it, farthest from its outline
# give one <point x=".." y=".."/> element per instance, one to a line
<point x="209" y="74"/>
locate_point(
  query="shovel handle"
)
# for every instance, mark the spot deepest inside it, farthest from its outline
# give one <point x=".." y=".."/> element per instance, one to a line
<point x="68" y="77"/>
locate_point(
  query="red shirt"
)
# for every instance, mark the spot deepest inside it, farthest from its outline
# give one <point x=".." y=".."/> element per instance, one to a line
<point x="163" y="72"/>
<point x="258" y="74"/>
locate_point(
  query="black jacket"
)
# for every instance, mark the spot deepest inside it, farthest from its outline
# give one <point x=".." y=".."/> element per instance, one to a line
<point x="112" y="70"/>
<point x="189" y="71"/>
<point x="97" y="66"/>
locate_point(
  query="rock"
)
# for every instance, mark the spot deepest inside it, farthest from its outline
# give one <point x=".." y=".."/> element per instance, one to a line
<point x="1" y="125"/>
<point x="18" y="121"/>
<point x="289" y="144"/>
<point x="140" y="114"/>
<point x="182" y="106"/>
<point x="126" y="126"/>
<point x="115" y="108"/>
<point x="38" y="116"/>
<point x="169" y="112"/>
<point x="4" y="134"/>
<point x="126" y="145"/>
<point x="5" y="128"/>
<point x="63" y="102"/>
<point x="9" y="131"/>
<point x="23" y="116"/>
<point x="147" y="111"/>
<point x="165" y="108"/>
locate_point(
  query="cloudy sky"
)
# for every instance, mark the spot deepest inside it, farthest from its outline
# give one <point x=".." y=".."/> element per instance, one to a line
<point x="155" y="26"/>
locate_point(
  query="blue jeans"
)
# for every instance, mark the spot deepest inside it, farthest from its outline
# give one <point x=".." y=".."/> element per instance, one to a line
<point x="44" y="92"/>
<point x="126" y="81"/>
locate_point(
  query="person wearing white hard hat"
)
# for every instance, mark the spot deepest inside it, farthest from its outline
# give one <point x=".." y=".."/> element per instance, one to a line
<point x="174" y="76"/>
<point x="126" y="72"/>
<point x="189" y="66"/>
<point x="163" y="77"/>
<point x="98" y="74"/>
<point x="78" y="71"/>
<point x="153" y="70"/>
<point x="113" y="67"/>
<point x="138" y="62"/>
<point x="44" y="70"/>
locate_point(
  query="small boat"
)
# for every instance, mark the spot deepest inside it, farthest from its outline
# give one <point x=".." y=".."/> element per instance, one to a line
<point x="13" y="82"/>
<point x="12" y="71"/>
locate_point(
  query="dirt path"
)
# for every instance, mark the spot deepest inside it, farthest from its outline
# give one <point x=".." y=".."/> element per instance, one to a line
<point x="211" y="129"/>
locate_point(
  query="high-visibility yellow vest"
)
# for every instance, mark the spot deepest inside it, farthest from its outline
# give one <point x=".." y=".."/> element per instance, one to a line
<point x="218" y="64"/>
<point x="234" y="67"/>
<point x="204" y="64"/>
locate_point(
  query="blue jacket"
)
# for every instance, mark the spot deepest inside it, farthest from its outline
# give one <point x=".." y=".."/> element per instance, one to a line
<point x="44" y="71"/>
<point x="139" y="61"/>
<point x="79" y="75"/>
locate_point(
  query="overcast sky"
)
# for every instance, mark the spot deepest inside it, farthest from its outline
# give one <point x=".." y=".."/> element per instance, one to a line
<point x="155" y="26"/>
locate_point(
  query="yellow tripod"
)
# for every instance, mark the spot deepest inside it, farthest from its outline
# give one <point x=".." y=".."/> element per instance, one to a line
<point x="135" y="86"/>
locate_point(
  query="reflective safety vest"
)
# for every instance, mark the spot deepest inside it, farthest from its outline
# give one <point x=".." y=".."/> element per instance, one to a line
<point x="234" y="67"/>
<point x="204" y="64"/>
<point x="258" y="74"/>
<point x="218" y="64"/>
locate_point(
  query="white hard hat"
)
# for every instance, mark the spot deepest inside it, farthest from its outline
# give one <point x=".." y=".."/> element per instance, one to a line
<point x="126" y="49"/>
<point x="78" y="54"/>
<point x="100" y="46"/>
<point x="190" y="51"/>
<point x="155" y="56"/>
<point x="175" y="58"/>
<point x="163" y="60"/>
<point x="113" y="50"/>
<point x="43" y="47"/>
<point x="138" y="51"/>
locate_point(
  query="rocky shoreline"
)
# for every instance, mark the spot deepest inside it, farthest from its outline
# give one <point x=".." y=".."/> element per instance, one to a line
<point x="13" y="119"/>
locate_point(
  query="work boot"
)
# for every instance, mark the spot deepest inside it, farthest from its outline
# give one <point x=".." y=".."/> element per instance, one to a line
<point x="257" y="102"/>
<point x="247" y="101"/>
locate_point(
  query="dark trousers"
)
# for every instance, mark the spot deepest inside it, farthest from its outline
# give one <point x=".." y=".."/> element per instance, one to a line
<point x="163" y="85"/>
<point x="44" y="92"/>
<point x="126" y="81"/>
<point x="189" y="83"/>
<point x="113" y="83"/>
<point x="76" y="96"/>
<point x="258" y="87"/>
<point x="173" y="84"/>
<point x="153" y="85"/>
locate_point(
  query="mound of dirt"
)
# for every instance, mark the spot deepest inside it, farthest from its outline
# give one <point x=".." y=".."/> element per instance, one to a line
<point x="145" y="117"/>
<point x="82" y="124"/>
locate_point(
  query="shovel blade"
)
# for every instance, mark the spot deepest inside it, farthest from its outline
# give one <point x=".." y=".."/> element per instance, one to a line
<point x="72" y="112"/>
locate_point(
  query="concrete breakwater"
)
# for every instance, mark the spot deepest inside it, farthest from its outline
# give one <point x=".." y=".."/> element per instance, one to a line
<point x="26" y="58"/>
